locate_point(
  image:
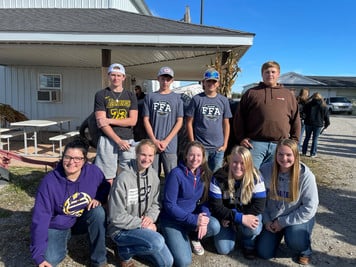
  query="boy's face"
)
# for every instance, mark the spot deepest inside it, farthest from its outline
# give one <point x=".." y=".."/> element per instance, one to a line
<point x="116" y="78"/>
<point x="165" y="81"/>
<point x="270" y="76"/>
<point x="211" y="86"/>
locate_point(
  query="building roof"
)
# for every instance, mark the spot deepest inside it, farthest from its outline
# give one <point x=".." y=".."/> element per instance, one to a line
<point x="98" y="20"/>
<point x="292" y="78"/>
<point x="336" y="81"/>
<point x="142" y="43"/>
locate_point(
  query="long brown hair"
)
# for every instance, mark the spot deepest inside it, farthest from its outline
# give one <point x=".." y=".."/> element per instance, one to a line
<point x="248" y="179"/>
<point x="206" y="173"/>
<point x="303" y="96"/>
<point x="318" y="96"/>
<point x="293" y="174"/>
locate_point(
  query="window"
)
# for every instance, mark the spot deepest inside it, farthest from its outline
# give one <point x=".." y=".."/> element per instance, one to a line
<point x="50" y="88"/>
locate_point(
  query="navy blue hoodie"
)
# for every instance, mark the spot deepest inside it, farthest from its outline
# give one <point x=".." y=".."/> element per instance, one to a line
<point x="182" y="193"/>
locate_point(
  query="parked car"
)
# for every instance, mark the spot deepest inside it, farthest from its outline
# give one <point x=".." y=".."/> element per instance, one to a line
<point x="338" y="104"/>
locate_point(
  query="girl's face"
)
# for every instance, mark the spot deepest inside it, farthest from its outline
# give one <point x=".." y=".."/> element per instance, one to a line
<point x="285" y="158"/>
<point x="145" y="157"/>
<point x="73" y="161"/>
<point x="194" y="158"/>
<point x="237" y="166"/>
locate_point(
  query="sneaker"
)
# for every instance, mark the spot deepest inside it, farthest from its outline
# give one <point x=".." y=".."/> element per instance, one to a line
<point x="197" y="248"/>
<point x="303" y="260"/>
<point x="313" y="156"/>
<point x="249" y="254"/>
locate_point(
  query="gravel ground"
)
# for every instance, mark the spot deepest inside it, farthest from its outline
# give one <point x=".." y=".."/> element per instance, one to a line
<point x="334" y="235"/>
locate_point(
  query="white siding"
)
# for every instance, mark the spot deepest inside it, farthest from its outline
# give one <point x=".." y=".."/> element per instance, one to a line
<point x="19" y="89"/>
<point x="117" y="4"/>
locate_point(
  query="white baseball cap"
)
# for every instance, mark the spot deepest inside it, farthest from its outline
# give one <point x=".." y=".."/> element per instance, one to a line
<point x="116" y="67"/>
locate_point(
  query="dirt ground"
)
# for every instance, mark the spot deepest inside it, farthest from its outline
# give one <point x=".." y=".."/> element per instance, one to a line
<point x="334" y="235"/>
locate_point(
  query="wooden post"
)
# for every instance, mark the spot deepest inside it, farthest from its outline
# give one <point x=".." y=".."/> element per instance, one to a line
<point x="105" y="63"/>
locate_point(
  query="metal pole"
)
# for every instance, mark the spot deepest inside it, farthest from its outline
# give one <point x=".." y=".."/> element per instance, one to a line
<point x="201" y="11"/>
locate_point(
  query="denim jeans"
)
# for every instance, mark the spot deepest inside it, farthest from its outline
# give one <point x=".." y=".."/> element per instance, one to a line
<point x="143" y="242"/>
<point x="92" y="222"/>
<point x="262" y="152"/>
<point x="302" y="130"/>
<point x="169" y="162"/>
<point x="177" y="239"/>
<point x="215" y="159"/>
<point x="225" y="240"/>
<point x="297" y="238"/>
<point x="309" y="130"/>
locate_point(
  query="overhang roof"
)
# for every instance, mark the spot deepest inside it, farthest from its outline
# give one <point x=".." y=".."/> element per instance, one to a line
<point x="142" y="43"/>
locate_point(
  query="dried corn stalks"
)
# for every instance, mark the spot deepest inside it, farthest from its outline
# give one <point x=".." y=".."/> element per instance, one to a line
<point x="228" y="72"/>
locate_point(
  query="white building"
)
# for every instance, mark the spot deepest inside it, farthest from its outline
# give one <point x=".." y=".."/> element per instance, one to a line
<point x="55" y="53"/>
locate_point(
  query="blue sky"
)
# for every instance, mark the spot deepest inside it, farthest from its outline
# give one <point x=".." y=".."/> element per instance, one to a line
<point x="310" y="37"/>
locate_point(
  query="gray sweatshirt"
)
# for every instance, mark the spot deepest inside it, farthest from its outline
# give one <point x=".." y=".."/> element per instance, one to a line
<point x="127" y="203"/>
<point x="291" y="213"/>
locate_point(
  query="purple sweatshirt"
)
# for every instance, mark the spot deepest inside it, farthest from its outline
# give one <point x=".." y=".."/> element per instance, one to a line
<point x="59" y="202"/>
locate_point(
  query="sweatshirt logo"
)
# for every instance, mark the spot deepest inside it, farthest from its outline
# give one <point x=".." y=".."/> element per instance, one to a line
<point x="76" y="204"/>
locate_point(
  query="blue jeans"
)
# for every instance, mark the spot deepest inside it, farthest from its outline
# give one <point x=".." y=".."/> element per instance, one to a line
<point x="302" y="130"/>
<point x="143" y="242"/>
<point x="225" y="240"/>
<point x="215" y="159"/>
<point x="168" y="160"/>
<point x="309" y="130"/>
<point x="262" y="152"/>
<point x="92" y="222"/>
<point x="297" y="238"/>
<point x="177" y="234"/>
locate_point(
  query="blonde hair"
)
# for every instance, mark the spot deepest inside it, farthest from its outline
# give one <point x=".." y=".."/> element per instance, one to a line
<point x="270" y="64"/>
<point x="250" y="175"/>
<point x="318" y="96"/>
<point x="293" y="174"/>
<point x="206" y="173"/>
<point x="148" y="142"/>
<point x="303" y="95"/>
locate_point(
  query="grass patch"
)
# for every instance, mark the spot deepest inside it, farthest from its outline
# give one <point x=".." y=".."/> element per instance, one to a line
<point x="19" y="194"/>
<point x="321" y="170"/>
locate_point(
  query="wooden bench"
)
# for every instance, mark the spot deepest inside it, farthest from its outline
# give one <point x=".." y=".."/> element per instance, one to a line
<point x="8" y="135"/>
<point x="59" y="138"/>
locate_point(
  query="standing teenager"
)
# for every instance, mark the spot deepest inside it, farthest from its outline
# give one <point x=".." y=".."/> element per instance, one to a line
<point x="116" y="113"/>
<point x="163" y="118"/>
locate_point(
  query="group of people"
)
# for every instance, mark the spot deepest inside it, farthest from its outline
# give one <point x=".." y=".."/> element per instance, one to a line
<point x="261" y="192"/>
<point x="314" y="116"/>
